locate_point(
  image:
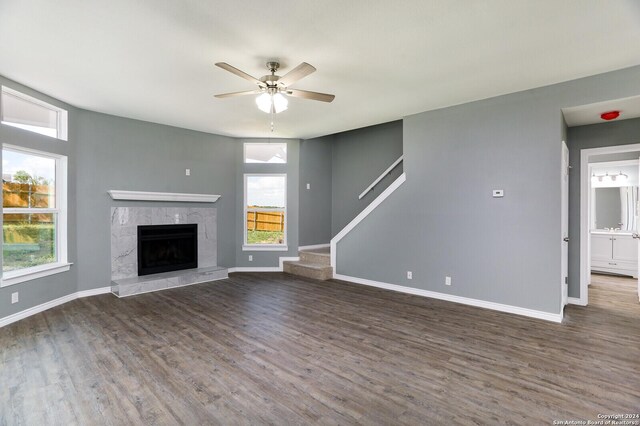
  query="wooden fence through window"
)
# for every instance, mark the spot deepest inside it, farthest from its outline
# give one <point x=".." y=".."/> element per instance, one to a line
<point x="24" y="195"/>
<point x="258" y="220"/>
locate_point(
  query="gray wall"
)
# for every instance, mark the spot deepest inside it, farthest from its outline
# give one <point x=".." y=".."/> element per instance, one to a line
<point x="443" y="220"/>
<point x="339" y="167"/>
<point x="120" y="153"/>
<point x="36" y="292"/>
<point x="315" y="203"/>
<point x="269" y="258"/>
<point x="622" y="132"/>
<point x="358" y="158"/>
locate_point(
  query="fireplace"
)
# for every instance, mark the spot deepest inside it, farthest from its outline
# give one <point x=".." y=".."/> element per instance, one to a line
<point x="163" y="248"/>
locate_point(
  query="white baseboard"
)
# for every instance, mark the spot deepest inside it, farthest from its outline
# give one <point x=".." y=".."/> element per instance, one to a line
<point x="284" y="259"/>
<point x="264" y="268"/>
<point x="457" y="299"/>
<point x="576" y="301"/>
<point x="94" y="292"/>
<point x="51" y="304"/>
<point x="314" y="246"/>
<point x="255" y="269"/>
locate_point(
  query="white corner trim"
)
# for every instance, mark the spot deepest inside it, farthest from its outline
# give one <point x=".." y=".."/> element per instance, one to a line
<point x="379" y="178"/>
<point x="117" y="194"/>
<point x="364" y="213"/>
<point x="547" y="316"/>
<point x="576" y="301"/>
<point x="314" y="246"/>
<point x="51" y="304"/>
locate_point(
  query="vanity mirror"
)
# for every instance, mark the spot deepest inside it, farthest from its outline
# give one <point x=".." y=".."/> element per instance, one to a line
<point x="614" y="208"/>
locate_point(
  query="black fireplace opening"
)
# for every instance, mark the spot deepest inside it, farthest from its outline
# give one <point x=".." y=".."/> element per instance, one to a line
<point x="164" y="248"/>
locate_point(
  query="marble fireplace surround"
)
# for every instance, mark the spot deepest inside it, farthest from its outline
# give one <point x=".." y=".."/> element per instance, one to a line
<point x="124" y="247"/>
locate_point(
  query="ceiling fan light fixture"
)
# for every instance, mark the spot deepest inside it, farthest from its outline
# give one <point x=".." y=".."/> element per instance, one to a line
<point x="264" y="102"/>
<point x="271" y="88"/>
<point x="280" y="103"/>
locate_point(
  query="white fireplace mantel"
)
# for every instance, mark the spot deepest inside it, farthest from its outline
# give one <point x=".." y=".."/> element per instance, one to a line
<point x="117" y="194"/>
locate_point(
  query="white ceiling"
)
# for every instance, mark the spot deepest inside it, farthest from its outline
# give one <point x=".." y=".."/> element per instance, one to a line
<point x="153" y="59"/>
<point x="590" y="114"/>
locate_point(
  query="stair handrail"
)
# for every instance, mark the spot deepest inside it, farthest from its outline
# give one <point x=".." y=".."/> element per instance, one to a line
<point x="361" y="216"/>
<point x="382" y="176"/>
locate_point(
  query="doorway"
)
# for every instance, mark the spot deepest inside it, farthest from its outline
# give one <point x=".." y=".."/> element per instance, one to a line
<point x="609" y="240"/>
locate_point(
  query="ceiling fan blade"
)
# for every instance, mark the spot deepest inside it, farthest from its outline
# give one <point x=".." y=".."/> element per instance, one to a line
<point x="232" y="94"/>
<point x="302" y="70"/>
<point x="323" y="97"/>
<point x="239" y="73"/>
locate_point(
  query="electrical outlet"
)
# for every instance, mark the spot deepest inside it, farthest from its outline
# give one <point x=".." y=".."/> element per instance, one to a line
<point x="409" y="275"/>
<point x="187" y="172"/>
<point x="447" y="281"/>
<point x="308" y="186"/>
<point x="14" y="297"/>
<point x="250" y="258"/>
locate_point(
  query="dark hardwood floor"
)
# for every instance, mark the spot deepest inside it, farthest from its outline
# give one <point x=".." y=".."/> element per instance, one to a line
<point x="271" y="348"/>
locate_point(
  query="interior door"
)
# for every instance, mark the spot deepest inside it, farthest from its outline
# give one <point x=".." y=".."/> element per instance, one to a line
<point x="636" y="234"/>
<point x="565" y="225"/>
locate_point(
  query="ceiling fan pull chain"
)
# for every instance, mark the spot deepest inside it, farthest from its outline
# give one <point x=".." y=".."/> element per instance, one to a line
<point x="272" y="119"/>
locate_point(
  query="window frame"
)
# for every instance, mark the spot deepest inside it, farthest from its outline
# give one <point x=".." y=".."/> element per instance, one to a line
<point x="264" y="247"/>
<point x="62" y="115"/>
<point x="244" y="151"/>
<point x="61" y="210"/>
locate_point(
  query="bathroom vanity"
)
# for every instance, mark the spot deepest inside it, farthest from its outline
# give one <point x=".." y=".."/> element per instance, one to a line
<point x="614" y="252"/>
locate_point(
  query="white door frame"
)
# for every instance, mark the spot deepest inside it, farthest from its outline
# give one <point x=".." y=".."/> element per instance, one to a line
<point x="585" y="219"/>
<point x="564" y="244"/>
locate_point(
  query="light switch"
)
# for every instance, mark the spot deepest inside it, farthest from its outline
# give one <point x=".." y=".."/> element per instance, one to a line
<point x="187" y="172"/>
<point x="14" y="297"/>
<point x="308" y="186"/>
<point x="498" y="193"/>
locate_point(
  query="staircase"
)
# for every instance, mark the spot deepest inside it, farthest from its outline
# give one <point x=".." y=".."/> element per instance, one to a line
<point x="315" y="263"/>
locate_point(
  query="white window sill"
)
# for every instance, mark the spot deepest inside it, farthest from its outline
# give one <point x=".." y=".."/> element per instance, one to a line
<point x="28" y="274"/>
<point x="257" y="247"/>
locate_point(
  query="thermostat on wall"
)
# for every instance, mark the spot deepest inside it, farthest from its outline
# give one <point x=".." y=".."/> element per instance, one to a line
<point x="498" y="193"/>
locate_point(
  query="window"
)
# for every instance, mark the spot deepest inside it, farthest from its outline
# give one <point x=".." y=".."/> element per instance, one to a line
<point x="265" y="212"/>
<point x="28" y="113"/>
<point x="34" y="214"/>
<point x="274" y="153"/>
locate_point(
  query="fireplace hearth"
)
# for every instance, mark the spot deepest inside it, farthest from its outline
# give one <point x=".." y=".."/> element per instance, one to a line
<point x="164" y="248"/>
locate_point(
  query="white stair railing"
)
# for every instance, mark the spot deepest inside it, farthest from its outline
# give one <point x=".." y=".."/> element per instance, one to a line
<point x="382" y="176"/>
<point x="363" y="214"/>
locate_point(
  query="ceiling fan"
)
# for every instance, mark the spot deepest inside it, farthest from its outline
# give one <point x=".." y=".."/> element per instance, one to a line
<point x="272" y="87"/>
